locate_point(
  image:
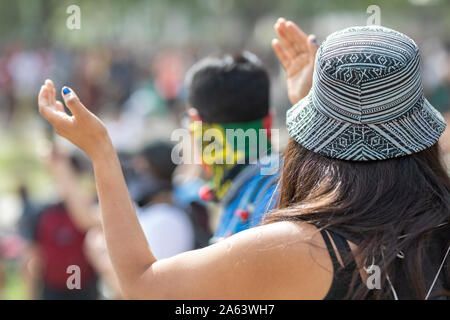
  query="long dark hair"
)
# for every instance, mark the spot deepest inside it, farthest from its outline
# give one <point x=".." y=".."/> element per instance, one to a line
<point x="401" y="205"/>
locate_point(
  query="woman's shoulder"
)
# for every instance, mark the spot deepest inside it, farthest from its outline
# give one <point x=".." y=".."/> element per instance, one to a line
<point x="282" y="260"/>
<point x="282" y="232"/>
<point x="292" y="254"/>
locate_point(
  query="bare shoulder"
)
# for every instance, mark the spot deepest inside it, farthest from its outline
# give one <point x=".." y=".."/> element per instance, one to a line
<point x="291" y="256"/>
<point x="282" y="260"/>
<point x="286" y="234"/>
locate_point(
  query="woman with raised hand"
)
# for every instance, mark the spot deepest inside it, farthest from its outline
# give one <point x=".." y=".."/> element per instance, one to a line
<point x="296" y="52"/>
<point x="362" y="186"/>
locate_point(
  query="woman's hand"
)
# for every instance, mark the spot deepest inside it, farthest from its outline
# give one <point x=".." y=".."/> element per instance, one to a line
<point x="127" y="244"/>
<point x="296" y="52"/>
<point x="83" y="128"/>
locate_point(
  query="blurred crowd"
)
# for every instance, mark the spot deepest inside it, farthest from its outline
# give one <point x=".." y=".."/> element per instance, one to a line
<point x="141" y="97"/>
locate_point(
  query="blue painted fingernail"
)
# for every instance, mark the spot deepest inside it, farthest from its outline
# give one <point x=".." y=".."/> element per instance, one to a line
<point x="314" y="40"/>
<point x="66" y="90"/>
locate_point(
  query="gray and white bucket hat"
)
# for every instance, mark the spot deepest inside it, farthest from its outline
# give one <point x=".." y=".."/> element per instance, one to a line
<point x="366" y="101"/>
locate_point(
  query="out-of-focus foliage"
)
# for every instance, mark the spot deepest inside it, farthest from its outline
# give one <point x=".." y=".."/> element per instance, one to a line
<point x="224" y="21"/>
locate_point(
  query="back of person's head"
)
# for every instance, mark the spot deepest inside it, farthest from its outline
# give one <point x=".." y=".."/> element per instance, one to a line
<point x="229" y="89"/>
<point x="364" y="161"/>
<point x="78" y="163"/>
<point x="159" y="158"/>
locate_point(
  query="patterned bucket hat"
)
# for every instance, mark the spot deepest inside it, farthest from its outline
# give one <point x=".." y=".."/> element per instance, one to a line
<point x="366" y="101"/>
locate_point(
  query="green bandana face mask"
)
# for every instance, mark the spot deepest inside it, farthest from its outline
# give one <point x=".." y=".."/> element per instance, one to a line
<point x="227" y="148"/>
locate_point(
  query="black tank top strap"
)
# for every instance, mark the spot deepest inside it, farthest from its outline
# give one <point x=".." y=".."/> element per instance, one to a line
<point x="342" y="275"/>
<point x="334" y="259"/>
<point x="344" y="250"/>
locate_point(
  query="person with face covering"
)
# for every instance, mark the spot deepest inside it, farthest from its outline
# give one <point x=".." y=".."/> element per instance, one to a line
<point x="362" y="186"/>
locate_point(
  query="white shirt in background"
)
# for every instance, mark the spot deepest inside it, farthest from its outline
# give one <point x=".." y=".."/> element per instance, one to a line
<point x="168" y="229"/>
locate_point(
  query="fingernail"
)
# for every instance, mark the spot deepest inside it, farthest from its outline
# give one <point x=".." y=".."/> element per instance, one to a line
<point x="66" y="90"/>
<point x="314" y="40"/>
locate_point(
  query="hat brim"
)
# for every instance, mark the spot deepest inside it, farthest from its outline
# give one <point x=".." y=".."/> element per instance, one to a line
<point x="419" y="128"/>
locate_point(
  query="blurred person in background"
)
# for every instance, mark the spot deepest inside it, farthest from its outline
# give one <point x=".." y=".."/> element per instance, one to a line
<point x="436" y="79"/>
<point x="161" y="204"/>
<point x="232" y="92"/>
<point x="56" y="235"/>
<point x="166" y="226"/>
<point x="440" y="97"/>
<point x="169" y="69"/>
<point x="169" y="228"/>
<point x="7" y="96"/>
<point x="29" y="211"/>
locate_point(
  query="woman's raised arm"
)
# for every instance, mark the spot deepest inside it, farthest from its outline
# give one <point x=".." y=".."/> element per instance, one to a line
<point x="256" y="263"/>
<point x="127" y="245"/>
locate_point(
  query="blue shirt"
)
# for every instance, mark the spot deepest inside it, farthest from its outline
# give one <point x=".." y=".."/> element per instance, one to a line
<point x="253" y="194"/>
